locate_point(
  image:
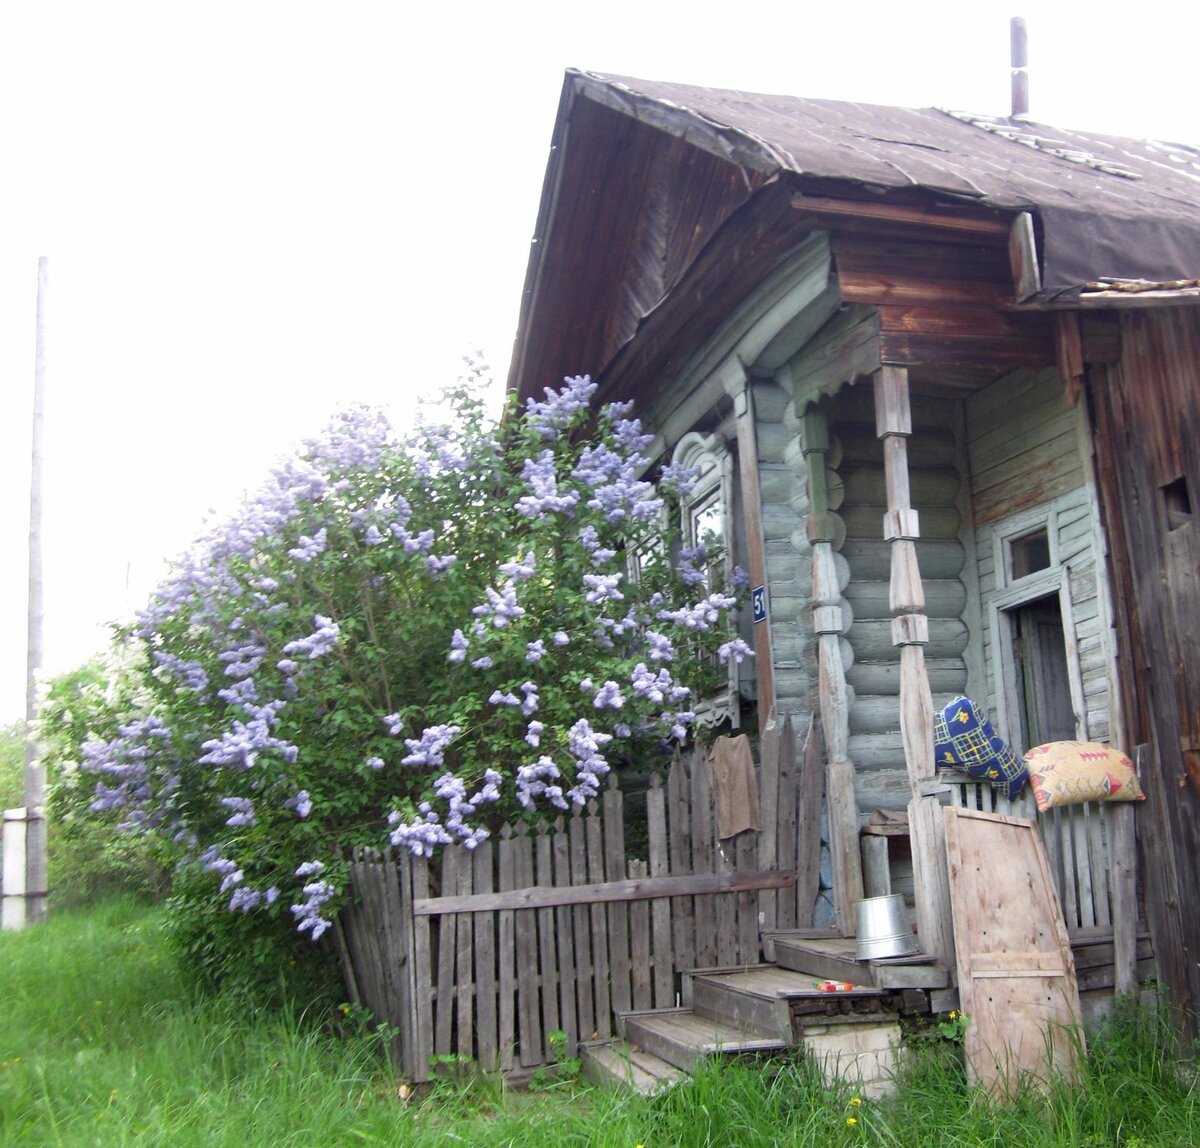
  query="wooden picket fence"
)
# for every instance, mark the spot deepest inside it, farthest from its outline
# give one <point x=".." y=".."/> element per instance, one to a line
<point x="555" y="928"/>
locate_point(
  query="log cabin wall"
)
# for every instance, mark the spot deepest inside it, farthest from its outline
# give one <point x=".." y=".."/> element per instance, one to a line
<point x="1147" y="415"/>
<point x="788" y="556"/>
<point x="858" y="494"/>
<point x="1029" y="482"/>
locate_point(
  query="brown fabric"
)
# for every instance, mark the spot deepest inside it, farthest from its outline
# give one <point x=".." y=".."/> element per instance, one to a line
<point x="731" y="766"/>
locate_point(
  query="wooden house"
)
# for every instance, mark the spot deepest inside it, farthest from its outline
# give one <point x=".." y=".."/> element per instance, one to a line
<point x="940" y="374"/>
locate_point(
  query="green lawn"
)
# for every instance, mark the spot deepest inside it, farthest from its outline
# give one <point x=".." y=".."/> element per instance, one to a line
<point x="100" y="1045"/>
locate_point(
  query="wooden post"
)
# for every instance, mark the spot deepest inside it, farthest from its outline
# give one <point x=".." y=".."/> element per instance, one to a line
<point x="834" y="700"/>
<point x="747" y="440"/>
<point x="910" y="631"/>
<point x="35" y="767"/>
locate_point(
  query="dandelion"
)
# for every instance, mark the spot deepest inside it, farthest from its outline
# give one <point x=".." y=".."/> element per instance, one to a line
<point x="852" y="1120"/>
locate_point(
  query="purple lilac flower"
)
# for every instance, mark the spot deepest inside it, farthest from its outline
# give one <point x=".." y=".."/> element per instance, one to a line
<point x="622" y="730"/>
<point x="243" y="810"/>
<point x="590" y="540"/>
<point x="536" y="780"/>
<point x="240" y="693"/>
<point x="430" y="747"/>
<point x="584" y="744"/>
<point x="190" y="675"/>
<point x="739" y="579"/>
<point x="533" y="734"/>
<point x="308" y="548"/>
<point x="458" y="647"/>
<point x="608" y="695"/>
<point x="542" y="478"/>
<point x="602" y="588"/>
<point x="680" y="480"/>
<point x="393" y="724"/>
<point x="421" y="836"/>
<point x="519" y="569"/>
<point x="531" y="698"/>
<point x="242" y="660"/>
<point x="310" y="868"/>
<point x="287" y="666"/>
<point x="678" y="723"/>
<point x="661" y="649"/>
<point x="703" y="615"/>
<point x="484" y="663"/>
<point x="690" y="566"/>
<point x="374" y="763"/>
<point x="126" y="761"/>
<point x="319" y="642"/>
<point x="308" y="913"/>
<point x="653" y="687"/>
<point x="501" y="699"/>
<point x="415" y="543"/>
<point x="501" y="606"/>
<point x="244" y="899"/>
<point x="436" y="566"/>
<point x="549" y="418"/>
<point x="561" y="638"/>
<point x="301" y="804"/>
<point x="736" y="649"/>
<point x="535" y="651"/>
<point x="241" y="744"/>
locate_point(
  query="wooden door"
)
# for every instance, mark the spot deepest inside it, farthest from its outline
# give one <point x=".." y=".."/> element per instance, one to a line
<point x="1016" y="974"/>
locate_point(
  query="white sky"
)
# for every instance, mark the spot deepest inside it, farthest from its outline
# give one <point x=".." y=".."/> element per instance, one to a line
<point x="257" y="210"/>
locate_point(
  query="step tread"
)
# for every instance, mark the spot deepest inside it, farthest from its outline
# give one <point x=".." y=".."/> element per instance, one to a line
<point x="633" y="1068"/>
<point x="835" y="957"/>
<point x="705" y="1035"/>
<point x="772" y="982"/>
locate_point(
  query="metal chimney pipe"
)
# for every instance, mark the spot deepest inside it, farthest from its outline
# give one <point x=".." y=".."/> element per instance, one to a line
<point x="1019" y="42"/>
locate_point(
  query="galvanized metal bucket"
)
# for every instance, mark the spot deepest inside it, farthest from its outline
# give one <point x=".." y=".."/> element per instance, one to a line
<point x="883" y="928"/>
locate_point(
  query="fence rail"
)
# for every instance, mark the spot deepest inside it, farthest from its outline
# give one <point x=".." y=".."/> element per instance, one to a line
<point x="555" y="927"/>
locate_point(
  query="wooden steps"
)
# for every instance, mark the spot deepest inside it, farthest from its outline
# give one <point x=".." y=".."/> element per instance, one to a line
<point x="755" y="1010"/>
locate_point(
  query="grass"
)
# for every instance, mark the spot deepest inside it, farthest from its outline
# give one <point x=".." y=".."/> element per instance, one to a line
<point x="100" y="1045"/>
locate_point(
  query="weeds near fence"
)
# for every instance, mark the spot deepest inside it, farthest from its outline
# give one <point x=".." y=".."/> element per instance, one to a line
<point x="101" y="1044"/>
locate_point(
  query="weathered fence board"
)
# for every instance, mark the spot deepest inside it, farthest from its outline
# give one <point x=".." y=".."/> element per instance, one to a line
<point x="481" y="953"/>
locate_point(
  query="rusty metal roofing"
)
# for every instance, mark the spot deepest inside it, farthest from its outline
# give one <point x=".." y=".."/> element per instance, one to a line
<point x="1109" y="207"/>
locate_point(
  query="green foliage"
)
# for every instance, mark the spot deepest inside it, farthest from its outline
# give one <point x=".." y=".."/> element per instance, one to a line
<point x="101" y="1044"/>
<point x="88" y="856"/>
<point x="421" y="636"/>
<point x="12" y="765"/>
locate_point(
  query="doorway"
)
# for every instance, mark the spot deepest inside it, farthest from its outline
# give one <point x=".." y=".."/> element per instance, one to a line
<point x="1042" y="687"/>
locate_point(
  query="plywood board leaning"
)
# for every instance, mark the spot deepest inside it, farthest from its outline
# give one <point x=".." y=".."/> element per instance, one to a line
<point x="1016" y="973"/>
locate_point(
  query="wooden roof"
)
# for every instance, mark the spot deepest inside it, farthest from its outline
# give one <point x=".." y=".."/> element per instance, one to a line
<point x="644" y="177"/>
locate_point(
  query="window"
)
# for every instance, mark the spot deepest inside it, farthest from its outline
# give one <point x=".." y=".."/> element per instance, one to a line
<point x="706" y="522"/>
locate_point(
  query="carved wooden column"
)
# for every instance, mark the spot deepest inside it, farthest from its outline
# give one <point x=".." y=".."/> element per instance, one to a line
<point x="834" y="700"/>
<point x="910" y="631"/>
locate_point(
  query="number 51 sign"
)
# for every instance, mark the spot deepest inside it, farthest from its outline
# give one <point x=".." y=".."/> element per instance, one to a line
<point x="758" y="599"/>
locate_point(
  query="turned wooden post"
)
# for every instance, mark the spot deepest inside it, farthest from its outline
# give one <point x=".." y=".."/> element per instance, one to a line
<point x="834" y="700"/>
<point x="910" y="631"/>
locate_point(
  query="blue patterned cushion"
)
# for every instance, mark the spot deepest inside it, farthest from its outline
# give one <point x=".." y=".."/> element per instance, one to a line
<point x="963" y="738"/>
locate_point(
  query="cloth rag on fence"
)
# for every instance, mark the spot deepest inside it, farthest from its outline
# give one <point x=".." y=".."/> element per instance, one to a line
<point x="731" y="767"/>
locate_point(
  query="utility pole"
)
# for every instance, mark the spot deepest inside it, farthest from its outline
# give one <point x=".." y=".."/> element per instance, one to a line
<point x="35" y="768"/>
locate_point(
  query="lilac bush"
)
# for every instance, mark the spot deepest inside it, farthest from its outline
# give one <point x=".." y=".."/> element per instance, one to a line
<point x="411" y="640"/>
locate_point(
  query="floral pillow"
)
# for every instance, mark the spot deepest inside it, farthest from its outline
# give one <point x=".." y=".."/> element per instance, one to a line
<point x="1072" y="772"/>
<point x="963" y="738"/>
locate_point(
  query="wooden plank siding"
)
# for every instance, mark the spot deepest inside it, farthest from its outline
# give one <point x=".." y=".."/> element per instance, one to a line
<point x="1023" y="441"/>
<point x="1146" y="408"/>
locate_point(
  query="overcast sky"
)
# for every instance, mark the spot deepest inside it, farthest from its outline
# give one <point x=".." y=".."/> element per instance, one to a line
<point x="255" y="211"/>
